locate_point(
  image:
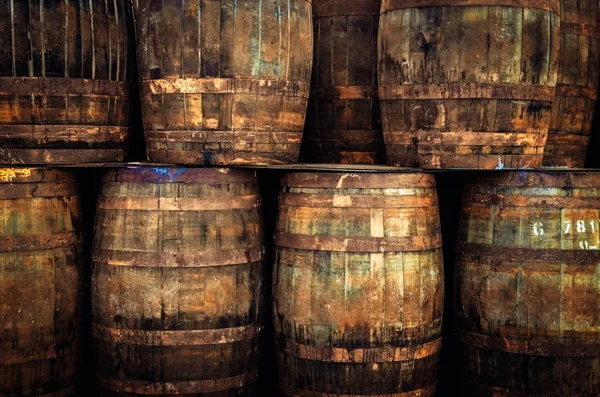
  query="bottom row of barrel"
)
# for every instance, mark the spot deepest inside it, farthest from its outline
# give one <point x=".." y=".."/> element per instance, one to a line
<point x="358" y="291"/>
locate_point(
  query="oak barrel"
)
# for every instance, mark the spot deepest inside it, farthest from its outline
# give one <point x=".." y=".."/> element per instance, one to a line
<point x="343" y="121"/>
<point x="176" y="282"/>
<point x="467" y="83"/>
<point x="40" y="263"/>
<point x="223" y="81"/>
<point x="577" y="84"/>
<point x="64" y="73"/>
<point x="528" y="285"/>
<point x="358" y="285"/>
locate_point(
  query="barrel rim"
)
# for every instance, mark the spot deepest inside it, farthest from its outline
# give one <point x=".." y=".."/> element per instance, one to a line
<point x="34" y="174"/>
<point x="536" y="179"/>
<point x="367" y="180"/>
<point x="179" y="174"/>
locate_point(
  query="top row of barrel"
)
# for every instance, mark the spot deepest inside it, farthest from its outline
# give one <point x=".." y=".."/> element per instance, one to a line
<point x="462" y="83"/>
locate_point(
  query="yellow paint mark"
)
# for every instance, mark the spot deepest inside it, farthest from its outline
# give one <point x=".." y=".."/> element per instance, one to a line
<point x="8" y="174"/>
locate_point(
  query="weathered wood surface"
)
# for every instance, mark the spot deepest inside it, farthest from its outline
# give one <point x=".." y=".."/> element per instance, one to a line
<point x="224" y="81"/>
<point x="467" y="83"/>
<point x="40" y="259"/>
<point x="358" y="285"/>
<point x="343" y="122"/>
<point x="64" y="69"/>
<point x="577" y="84"/>
<point x="528" y="285"/>
<point x="176" y="284"/>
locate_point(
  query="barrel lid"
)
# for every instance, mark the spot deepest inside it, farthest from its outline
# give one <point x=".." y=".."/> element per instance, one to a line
<point x="179" y="175"/>
<point x="31" y="175"/>
<point x="346" y="180"/>
<point x="539" y="179"/>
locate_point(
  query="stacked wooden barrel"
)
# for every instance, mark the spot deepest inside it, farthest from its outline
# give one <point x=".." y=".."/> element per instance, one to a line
<point x="176" y="285"/>
<point x="224" y="82"/>
<point x="577" y="84"/>
<point x="64" y="73"/>
<point x="358" y="285"/>
<point x="528" y="285"/>
<point x="343" y="123"/>
<point x="40" y="259"/>
<point x="467" y="83"/>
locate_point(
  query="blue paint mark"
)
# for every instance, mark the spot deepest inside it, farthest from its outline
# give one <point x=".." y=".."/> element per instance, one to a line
<point x="160" y="171"/>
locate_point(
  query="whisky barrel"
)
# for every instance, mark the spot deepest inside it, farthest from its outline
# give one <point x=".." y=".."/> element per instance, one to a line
<point x="64" y="73"/>
<point x="528" y="285"/>
<point x="176" y="282"/>
<point x="577" y="84"/>
<point x="224" y="82"/>
<point x="343" y="121"/>
<point x="40" y="258"/>
<point x="467" y="83"/>
<point x="358" y="285"/>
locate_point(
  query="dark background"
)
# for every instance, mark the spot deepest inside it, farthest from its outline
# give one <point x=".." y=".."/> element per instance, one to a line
<point x="450" y="186"/>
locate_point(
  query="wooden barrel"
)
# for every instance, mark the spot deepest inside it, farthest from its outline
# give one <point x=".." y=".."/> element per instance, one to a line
<point x="64" y="73"/>
<point x="577" y="84"/>
<point x="343" y="122"/>
<point x="467" y="83"/>
<point x="176" y="282"/>
<point x="224" y="82"/>
<point x="40" y="259"/>
<point x="358" y="285"/>
<point x="528" y="285"/>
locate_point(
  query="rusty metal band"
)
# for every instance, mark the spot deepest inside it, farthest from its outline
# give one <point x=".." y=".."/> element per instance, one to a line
<point x="176" y="338"/>
<point x="341" y="92"/>
<point x="582" y="257"/>
<point x="44" y="189"/>
<point x="358" y="244"/>
<point x="361" y="356"/>
<point x="427" y="203"/>
<point x="249" y="86"/>
<point x="291" y="391"/>
<point x="32" y="175"/>
<point x="567" y="138"/>
<point x="61" y="156"/>
<point x="66" y="392"/>
<point x="213" y="175"/>
<point x="465" y="138"/>
<point x="569" y="90"/>
<point x="571" y="203"/>
<point x="529" y="347"/>
<point x="524" y="92"/>
<point x="546" y="5"/>
<point x="342" y="8"/>
<point x="344" y="180"/>
<point x="37" y="242"/>
<point x="193" y="259"/>
<point x="202" y="136"/>
<point x="67" y="133"/>
<point x="178" y="204"/>
<point x="580" y="29"/>
<point x="179" y="387"/>
<point x="60" y="85"/>
<point x="37" y="353"/>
